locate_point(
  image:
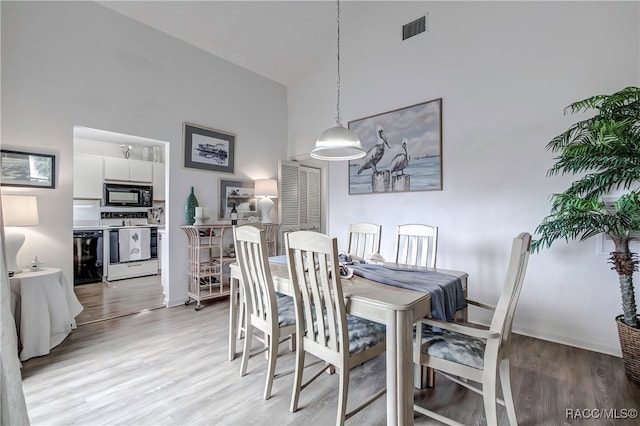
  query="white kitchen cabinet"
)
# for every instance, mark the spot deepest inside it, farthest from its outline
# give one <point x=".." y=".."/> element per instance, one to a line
<point x="158" y="182"/>
<point x="124" y="170"/>
<point x="87" y="177"/>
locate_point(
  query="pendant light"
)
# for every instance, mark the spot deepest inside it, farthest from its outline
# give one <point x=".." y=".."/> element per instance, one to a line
<point x="338" y="143"/>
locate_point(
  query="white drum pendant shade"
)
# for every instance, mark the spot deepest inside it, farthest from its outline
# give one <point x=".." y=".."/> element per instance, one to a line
<point x="338" y="143"/>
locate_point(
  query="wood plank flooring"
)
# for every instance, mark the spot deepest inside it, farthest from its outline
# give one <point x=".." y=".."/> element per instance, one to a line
<point x="106" y="300"/>
<point x="170" y="367"/>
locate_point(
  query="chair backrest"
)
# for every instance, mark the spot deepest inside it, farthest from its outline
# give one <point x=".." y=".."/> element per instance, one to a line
<point x="506" y="306"/>
<point x="313" y="267"/>
<point x="416" y="245"/>
<point x="364" y="239"/>
<point x="271" y="235"/>
<point x="259" y="292"/>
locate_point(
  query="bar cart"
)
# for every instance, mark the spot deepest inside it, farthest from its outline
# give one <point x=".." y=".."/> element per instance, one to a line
<point x="206" y="261"/>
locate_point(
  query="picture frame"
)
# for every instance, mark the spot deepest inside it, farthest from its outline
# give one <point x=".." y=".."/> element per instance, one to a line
<point x="30" y="169"/>
<point x="240" y="194"/>
<point x="391" y="167"/>
<point x="208" y="149"/>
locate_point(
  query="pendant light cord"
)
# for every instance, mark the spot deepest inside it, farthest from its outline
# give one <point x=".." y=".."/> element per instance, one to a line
<point x="338" y="83"/>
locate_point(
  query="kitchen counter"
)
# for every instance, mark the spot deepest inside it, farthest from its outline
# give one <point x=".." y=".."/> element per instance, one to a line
<point x="103" y="227"/>
<point x="88" y="227"/>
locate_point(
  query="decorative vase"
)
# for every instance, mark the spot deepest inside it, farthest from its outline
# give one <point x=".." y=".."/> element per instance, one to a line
<point x="190" y="208"/>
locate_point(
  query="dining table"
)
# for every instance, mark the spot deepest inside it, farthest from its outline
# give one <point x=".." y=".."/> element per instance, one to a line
<point x="397" y="308"/>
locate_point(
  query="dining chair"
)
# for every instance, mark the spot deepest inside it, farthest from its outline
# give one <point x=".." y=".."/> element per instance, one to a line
<point x="363" y="239"/>
<point x="265" y="310"/>
<point x="323" y="327"/>
<point x="416" y="245"/>
<point x="271" y="232"/>
<point x="466" y="353"/>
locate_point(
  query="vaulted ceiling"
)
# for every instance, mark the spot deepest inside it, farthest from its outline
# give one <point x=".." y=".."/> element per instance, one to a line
<point x="276" y="39"/>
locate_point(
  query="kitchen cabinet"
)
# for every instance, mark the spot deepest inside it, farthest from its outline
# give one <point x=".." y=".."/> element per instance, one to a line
<point x="206" y="261"/>
<point x="124" y="170"/>
<point x="87" y="177"/>
<point x="158" y="182"/>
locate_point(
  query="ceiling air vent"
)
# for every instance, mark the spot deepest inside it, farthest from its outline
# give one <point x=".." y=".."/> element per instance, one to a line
<point x="414" y="28"/>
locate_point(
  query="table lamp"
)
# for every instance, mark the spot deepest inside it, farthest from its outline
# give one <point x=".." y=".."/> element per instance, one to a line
<point x="17" y="211"/>
<point x="265" y="189"/>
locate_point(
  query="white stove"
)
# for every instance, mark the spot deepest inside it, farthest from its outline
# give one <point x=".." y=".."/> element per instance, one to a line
<point x="132" y="245"/>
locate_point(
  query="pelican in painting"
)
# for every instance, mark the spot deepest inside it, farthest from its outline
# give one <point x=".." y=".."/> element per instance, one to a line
<point x="375" y="153"/>
<point x="400" y="161"/>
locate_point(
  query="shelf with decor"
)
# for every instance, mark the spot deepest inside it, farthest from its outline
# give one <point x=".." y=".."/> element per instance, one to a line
<point x="206" y="262"/>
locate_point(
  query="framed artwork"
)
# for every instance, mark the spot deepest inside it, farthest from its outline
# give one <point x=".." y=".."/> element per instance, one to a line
<point x="27" y="169"/>
<point x="238" y="194"/>
<point x="404" y="150"/>
<point x="208" y="149"/>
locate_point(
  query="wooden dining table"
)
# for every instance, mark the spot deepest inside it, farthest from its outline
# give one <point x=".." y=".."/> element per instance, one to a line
<point x="395" y="307"/>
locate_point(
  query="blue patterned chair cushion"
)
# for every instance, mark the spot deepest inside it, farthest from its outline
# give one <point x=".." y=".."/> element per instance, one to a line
<point x="453" y="346"/>
<point x="286" y="310"/>
<point x="363" y="334"/>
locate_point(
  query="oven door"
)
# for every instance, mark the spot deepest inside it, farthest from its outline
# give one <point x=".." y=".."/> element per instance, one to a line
<point x="132" y="244"/>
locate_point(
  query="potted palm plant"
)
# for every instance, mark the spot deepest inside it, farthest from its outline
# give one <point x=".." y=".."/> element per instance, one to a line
<point x="604" y="151"/>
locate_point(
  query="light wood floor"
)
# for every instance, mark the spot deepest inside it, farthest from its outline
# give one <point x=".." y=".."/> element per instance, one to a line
<point x="170" y="367"/>
<point x="113" y="299"/>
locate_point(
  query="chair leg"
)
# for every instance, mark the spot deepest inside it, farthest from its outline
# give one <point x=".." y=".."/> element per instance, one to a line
<point x="248" y="336"/>
<point x="292" y="343"/>
<point x="297" y="380"/>
<point x="507" y="394"/>
<point x="342" y="396"/>
<point x="271" y="370"/>
<point x="489" y="396"/>
<point x="241" y="316"/>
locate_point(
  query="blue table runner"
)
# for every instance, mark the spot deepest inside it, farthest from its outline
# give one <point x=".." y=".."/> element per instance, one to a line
<point x="447" y="295"/>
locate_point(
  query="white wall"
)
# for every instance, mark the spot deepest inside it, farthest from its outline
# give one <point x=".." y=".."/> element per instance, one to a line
<point x="78" y="63"/>
<point x="505" y="71"/>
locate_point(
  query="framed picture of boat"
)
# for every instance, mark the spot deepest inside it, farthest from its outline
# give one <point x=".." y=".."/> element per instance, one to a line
<point x="208" y="149"/>
<point x="404" y="150"/>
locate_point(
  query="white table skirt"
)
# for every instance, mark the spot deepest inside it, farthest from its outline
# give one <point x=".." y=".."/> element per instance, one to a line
<point x="44" y="309"/>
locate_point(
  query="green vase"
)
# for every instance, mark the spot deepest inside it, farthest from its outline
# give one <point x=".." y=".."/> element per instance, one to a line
<point x="190" y="208"/>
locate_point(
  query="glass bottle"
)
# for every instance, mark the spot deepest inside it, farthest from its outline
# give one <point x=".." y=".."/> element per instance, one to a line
<point x="234" y="215"/>
<point x="190" y="208"/>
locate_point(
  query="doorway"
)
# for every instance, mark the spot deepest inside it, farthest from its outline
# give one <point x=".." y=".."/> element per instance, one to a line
<point x="93" y="149"/>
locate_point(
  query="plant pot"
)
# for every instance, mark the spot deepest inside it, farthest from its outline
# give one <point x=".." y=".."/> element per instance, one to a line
<point x="630" y="345"/>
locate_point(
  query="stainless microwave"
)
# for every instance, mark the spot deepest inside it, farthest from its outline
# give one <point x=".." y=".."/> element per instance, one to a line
<point x="116" y="194"/>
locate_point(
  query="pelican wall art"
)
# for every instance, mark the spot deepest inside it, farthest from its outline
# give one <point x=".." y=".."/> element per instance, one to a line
<point x="404" y="150"/>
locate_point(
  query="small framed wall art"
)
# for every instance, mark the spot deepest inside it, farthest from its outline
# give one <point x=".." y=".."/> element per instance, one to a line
<point x="404" y="150"/>
<point x="238" y="194"/>
<point x="208" y="149"/>
<point x="20" y="168"/>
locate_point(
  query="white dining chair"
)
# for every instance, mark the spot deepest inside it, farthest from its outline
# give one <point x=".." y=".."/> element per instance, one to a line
<point x="363" y="239"/>
<point x="265" y="310"/>
<point x="416" y="245"/>
<point x="465" y="353"/>
<point x="323" y="327"/>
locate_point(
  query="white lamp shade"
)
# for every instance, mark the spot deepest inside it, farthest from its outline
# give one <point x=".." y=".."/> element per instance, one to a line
<point x="17" y="211"/>
<point x="20" y="210"/>
<point x="266" y="188"/>
<point x="338" y="144"/>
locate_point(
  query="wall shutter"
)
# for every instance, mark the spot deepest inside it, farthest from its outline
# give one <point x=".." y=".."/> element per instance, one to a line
<point x="299" y="201"/>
